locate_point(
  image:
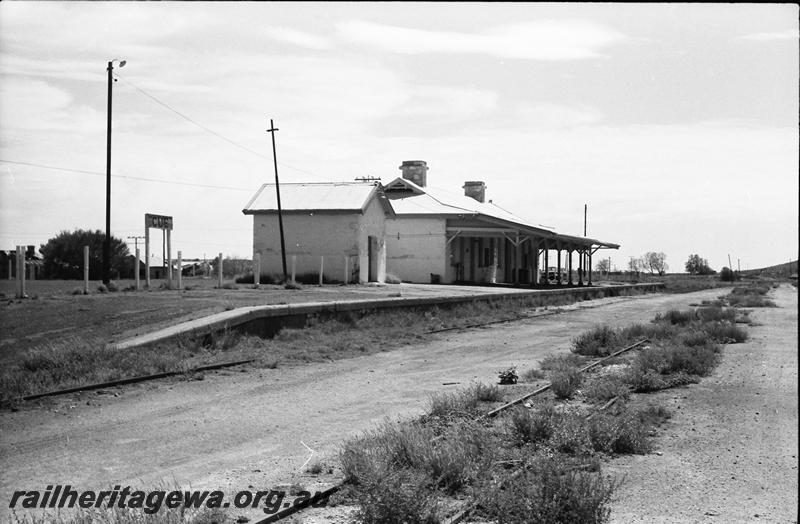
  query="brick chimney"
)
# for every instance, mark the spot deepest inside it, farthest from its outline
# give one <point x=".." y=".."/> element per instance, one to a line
<point x="415" y="171"/>
<point x="475" y="189"/>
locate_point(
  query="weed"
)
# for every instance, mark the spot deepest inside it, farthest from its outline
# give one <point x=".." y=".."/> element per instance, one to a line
<point x="596" y="342"/>
<point x="725" y="333"/>
<point x="571" y="434"/>
<point x="551" y="489"/>
<point x="464" y="402"/>
<point x="603" y="389"/>
<point x="676" y="317"/>
<point x="397" y="497"/>
<point x="488" y="392"/>
<point x="565" y="381"/>
<point x="532" y="426"/>
<point x="624" y="433"/>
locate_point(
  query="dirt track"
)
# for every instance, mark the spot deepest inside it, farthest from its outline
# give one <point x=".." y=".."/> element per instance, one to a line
<point x="239" y="429"/>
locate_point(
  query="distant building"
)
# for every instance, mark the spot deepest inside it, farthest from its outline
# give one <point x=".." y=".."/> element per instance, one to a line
<point x="408" y="230"/>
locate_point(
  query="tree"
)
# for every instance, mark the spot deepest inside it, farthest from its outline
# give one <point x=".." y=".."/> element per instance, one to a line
<point x="698" y="266"/>
<point x="634" y="265"/>
<point x="63" y="255"/>
<point x="603" y="265"/>
<point x="655" y="262"/>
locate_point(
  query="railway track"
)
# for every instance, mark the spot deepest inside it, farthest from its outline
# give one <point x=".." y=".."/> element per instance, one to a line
<point x="464" y="512"/>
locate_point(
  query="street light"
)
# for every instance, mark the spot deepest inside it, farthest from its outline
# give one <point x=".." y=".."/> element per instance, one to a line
<point x="107" y="243"/>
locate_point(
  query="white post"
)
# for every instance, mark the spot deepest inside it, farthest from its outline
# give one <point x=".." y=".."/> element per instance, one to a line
<point x="137" y="270"/>
<point x="85" y="270"/>
<point x="219" y="271"/>
<point x="146" y="255"/>
<point x="321" y="267"/>
<point x="346" y="275"/>
<point x="257" y="269"/>
<point x="294" y="264"/>
<point x="180" y="270"/>
<point x="169" y="258"/>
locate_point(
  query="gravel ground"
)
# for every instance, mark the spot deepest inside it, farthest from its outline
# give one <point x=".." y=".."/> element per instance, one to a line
<point x="730" y="452"/>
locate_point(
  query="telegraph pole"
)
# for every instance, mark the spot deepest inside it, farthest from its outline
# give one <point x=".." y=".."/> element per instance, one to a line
<point x="272" y="130"/>
<point x="107" y="243"/>
<point x="135" y="241"/>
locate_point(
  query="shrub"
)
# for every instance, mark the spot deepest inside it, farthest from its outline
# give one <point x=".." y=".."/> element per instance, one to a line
<point x="750" y="301"/>
<point x="625" y="433"/>
<point x="695" y="360"/>
<point x="571" y="434"/>
<point x="710" y="314"/>
<point x="488" y="392"/>
<point x="396" y="497"/>
<point x="565" y="382"/>
<point x="463" y="402"/>
<point x="676" y="317"/>
<point x="725" y="333"/>
<point x="532" y="375"/>
<point x="102" y="288"/>
<point x="596" y="342"/>
<point x="550" y="490"/>
<point x="603" y="389"/>
<point x="532" y="426"/>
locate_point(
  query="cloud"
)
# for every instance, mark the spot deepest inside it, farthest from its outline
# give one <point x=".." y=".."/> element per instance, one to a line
<point x="537" y="40"/>
<point x="789" y="34"/>
<point x="31" y="104"/>
<point x="299" y="38"/>
<point x="551" y="116"/>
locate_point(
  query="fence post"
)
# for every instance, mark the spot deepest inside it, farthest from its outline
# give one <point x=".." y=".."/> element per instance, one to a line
<point x="257" y="269"/>
<point x="180" y="270"/>
<point x="85" y="270"/>
<point x="10" y="274"/>
<point x="137" y="270"/>
<point x="321" y="267"/>
<point x="20" y="253"/>
<point x="219" y="272"/>
<point x="169" y="258"/>
<point x="294" y="264"/>
<point x="346" y="276"/>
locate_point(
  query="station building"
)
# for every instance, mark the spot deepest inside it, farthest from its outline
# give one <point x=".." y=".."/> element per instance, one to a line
<point x="362" y="231"/>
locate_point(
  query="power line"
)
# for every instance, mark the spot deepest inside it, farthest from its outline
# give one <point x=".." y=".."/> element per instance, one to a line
<point x="145" y="179"/>
<point x="211" y="131"/>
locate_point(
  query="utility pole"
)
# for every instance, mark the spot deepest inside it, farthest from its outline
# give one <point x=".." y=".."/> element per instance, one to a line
<point x="135" y="241"/>
<point x="272" y="129"/>
<point x="107" y="243"/>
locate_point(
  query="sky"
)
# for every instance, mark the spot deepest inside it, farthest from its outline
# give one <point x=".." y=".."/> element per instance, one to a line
<point x="676" y="124"/>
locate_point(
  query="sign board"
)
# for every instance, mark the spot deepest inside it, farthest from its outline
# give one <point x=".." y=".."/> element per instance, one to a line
<point x="158" y="221"/>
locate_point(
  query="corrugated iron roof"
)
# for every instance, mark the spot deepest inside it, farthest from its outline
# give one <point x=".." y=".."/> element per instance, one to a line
<point x="323" y="196"/>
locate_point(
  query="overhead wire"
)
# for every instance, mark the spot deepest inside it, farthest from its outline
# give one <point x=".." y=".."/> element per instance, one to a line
<point x="211" y="131"/>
